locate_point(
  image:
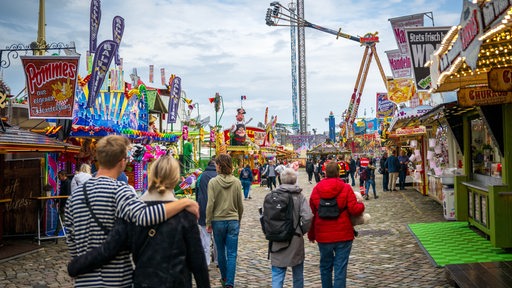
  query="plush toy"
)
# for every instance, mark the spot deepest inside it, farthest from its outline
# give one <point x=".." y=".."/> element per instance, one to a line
<point x="363" y="218"/>
<point x="190" y="180"/>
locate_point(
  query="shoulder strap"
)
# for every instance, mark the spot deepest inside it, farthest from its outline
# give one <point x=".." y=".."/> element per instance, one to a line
<point x="88" y="204"/>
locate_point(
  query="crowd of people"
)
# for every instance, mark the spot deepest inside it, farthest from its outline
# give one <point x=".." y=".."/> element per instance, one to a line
<point x="117" y="239"/>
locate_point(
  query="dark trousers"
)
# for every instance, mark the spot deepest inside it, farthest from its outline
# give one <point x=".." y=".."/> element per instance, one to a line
<point x="317" y="177"/>
<point x="401" y="179"/>
<point x="385" y="181"/>
<point x="310" y="176"/>
<point x="271" y="180"/>
<point x="352" y="177"/>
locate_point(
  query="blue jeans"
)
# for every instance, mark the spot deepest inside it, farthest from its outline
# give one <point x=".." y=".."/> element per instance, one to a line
<point x="225" y="234"/>
<point x="334" y="256"/>
<point x="246" y="185"/>
<point x="278" y="274"/>
<point x="372" y="183"/>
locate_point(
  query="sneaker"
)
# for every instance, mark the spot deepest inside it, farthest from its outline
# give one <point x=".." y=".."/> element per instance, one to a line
<point x="367" y="198"/>
<point x="376" y="197"/>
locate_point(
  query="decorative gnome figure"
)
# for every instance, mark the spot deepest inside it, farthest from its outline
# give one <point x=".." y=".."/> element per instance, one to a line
<point x="238" y="129"/>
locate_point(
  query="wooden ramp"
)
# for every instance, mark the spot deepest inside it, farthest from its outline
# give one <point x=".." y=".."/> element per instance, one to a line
<point x="488" y="274"/>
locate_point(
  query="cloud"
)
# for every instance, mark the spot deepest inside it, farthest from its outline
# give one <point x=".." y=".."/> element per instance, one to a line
<point x="224" y="46"/>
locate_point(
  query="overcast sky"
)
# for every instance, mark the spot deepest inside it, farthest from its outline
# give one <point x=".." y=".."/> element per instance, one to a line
<point x="224" y="46"/>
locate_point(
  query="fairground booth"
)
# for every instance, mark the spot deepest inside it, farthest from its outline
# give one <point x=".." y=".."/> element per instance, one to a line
<point x="475" y="60"/>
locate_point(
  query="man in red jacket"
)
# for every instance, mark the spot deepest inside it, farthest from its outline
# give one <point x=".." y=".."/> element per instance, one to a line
<point x="334" y="236"/>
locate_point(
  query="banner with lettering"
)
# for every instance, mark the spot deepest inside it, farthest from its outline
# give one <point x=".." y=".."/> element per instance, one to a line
<point x="174" y="100"/>
<point x="117" y="35"/>
<point x="94" y="24"/>
<point x="400" y="64"/>
<point x="482" y="96"/>
<point x="401" y="90"/>
<point x="51" y="85"/>
<point x="422" y="42"/>
<point x="399" y="24"/>
<point x="102" y="59"/>
<point x="385" y="108"/>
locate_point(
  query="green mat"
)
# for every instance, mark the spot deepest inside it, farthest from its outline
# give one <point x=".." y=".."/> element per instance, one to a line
<point x="455" y="243"/>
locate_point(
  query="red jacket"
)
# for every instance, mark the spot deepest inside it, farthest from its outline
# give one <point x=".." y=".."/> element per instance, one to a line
<point x="334" y="230"/>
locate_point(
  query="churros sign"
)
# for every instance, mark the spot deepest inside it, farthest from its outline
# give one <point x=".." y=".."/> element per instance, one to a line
<point x="51" y="85"/>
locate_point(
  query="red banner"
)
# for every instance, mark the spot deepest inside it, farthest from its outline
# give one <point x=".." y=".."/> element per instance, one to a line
<point x="51" y="85"/>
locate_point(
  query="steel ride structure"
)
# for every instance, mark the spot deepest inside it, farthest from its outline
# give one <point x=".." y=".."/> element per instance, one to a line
<point x="293" y="48"/>
<point x="279" y="15"/>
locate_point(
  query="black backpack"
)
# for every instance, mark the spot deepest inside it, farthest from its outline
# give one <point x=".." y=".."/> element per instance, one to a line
<point x="245" y="173"/>
<point x="277" y="218"/>
<point x="328" y="208"/>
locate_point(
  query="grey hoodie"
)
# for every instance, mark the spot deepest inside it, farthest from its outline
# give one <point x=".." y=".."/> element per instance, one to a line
<point x="224" y="199"/>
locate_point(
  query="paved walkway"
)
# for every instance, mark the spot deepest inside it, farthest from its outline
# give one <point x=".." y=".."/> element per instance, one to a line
<point x="384" y="255"/>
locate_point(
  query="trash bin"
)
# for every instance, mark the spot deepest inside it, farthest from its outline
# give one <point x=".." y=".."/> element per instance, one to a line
<point x="448" y="202"/>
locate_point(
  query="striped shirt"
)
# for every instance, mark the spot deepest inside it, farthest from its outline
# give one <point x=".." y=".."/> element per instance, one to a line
<point x="109" y="199"/>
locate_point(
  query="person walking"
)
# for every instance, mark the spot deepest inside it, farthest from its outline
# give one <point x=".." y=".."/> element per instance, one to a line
<point x="310" y="168"/>
<point x="352" y="170"/>
<point x="279" y="168"/>
<point x="202" y="199"/>
<point x="270" y="172"/>
<point x="81" y="176"/>
<point x="384" y="171"/>
<point x="65" y="189"/>
<point x="334" y="236"/>
<point x="318" y="170"/>
<point x="92" y="209"/>
<point x="392" y="165"/>
<point x="404" y="162"/>
<point x="166" y="254"/>
<point x="370" y="180"/>
<point x="223" y="214"/>
<point x="246" y="179"/>
<point x="291" y="254"/>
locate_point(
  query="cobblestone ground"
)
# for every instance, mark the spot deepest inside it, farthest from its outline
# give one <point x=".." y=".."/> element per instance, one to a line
<point x="384" y="255"/>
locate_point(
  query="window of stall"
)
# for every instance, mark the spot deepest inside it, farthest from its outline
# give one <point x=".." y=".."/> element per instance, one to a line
<point x="485" y="155"/>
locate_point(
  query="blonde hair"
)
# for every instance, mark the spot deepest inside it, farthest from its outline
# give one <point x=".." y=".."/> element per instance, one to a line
<point x="111" y="149"/>
<point x="163" y="175"/>
<point x="86" y="168"/>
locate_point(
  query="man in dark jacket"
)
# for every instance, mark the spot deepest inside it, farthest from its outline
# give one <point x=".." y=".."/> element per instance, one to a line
<point x="384" y="171"/>
<point x="352" y="171"/>
<point x="202" y="200"/>
<point x="310" y="168"/>
<point x="392" y="166"/>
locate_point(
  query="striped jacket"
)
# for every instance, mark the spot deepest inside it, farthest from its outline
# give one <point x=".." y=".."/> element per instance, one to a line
<point x="109" y="199"/>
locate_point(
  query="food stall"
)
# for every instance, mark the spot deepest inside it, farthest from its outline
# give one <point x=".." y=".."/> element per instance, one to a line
<point x="475" y="59"/>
